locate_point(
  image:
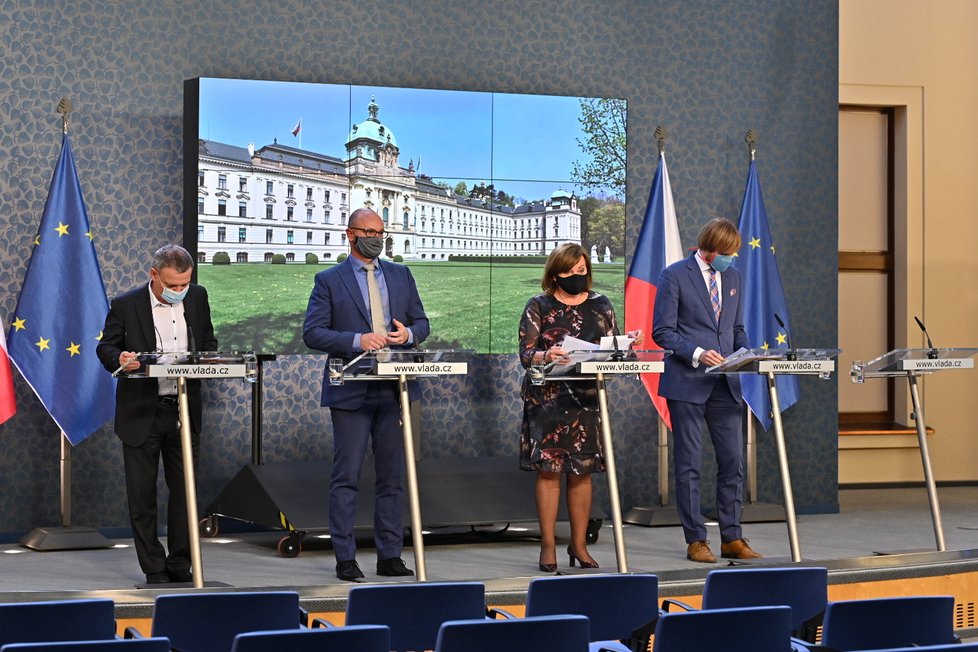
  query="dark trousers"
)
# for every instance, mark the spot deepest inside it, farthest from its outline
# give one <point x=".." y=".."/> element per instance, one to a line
<point x="723" y="416"/>
<point x="379" y="421"/>
<point x="142" y="466"/>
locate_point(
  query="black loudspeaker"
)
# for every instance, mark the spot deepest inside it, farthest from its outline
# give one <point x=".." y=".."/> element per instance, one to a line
<point x="294" y="496"/>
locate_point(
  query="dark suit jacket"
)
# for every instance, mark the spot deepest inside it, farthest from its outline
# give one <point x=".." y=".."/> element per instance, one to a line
<point x="337" y="312"/>
<point x="129" y="327"/>
<point x="684" y="320"/>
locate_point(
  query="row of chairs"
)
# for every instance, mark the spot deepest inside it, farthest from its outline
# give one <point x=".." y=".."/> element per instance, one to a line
<point x="621" y="614"/>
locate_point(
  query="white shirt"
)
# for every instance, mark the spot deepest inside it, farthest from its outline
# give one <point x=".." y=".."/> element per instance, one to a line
<point x="170" y="327"/>
<point x="705" y="269"/>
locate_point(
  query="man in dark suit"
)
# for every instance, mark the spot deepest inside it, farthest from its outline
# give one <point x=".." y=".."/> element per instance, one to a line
<point x="365" y="304"/>
<point x="699" y="316"/>
<point x="168" y="314"/>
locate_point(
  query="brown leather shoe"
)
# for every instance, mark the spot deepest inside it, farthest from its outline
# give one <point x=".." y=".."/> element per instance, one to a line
<point x="738" y="549"/>
<point x="700" y="551"/>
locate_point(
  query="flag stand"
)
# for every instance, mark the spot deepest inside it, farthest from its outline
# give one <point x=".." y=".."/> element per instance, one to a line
<point x="754" y="511"/>
<point x="662" y="514"/>
<point x="65" y="536"/>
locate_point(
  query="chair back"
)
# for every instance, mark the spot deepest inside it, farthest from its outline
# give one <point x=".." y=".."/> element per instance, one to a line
<point x="750" y="629"/>
<point x="208" y="622"/>
<point x="117" y="645"/>
<point x="532" y="634"/>
<point x="617" y="606"/>
<point x="805" y="590"/>
<point x="57" y="620"/>
<point x="952" y="647"/>
<point x="415" y="611"/>
<point x="889" y="622"/>
<point x="362" y="638"/>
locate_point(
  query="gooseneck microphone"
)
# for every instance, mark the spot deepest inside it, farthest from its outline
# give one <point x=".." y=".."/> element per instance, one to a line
<point x="932" y="354"/>
<point x="791" y="355"/>
<point x="618" y="355"/>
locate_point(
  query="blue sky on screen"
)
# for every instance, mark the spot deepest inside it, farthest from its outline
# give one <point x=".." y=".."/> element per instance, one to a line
<point x="517" y="141"/>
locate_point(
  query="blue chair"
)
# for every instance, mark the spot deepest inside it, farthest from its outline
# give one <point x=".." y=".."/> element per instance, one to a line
<point x="952" y="647"/>
<point x="752" y="629"/>
<point x="57" y="620"/>
<point x="564" y="633"/>
<point x="805" y="590"/>
<point x="362" y="638"/>
<point x="889" y="622"/>
<point x="415" y="611"/>
<point x="208" y="622"/>
<point x="619" y="607"/>
<point x="118" y="645"/>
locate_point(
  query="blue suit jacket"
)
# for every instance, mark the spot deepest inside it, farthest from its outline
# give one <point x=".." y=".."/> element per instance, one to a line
<point x="337" y="312"/>
<point x="684" y="320"/>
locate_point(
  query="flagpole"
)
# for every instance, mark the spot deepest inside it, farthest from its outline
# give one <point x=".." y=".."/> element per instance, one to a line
<point x="67" y="536"/>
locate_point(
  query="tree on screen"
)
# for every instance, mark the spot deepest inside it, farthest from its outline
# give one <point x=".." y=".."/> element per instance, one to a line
<point x="603" y="122"/>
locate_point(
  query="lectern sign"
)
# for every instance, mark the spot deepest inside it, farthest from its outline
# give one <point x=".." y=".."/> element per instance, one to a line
<point x="422" y="368"/>
<point x="932" y="365"/>
<point x="196" y="370"/>
<point x="623" y="367"/>
<point x="796" y="366"/>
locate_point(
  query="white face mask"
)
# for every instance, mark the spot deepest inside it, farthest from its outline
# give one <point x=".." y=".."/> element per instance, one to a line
<point x="171" y="296"/>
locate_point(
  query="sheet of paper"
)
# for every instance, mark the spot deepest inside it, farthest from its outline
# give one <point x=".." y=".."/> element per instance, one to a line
<point x="581" y="351"/>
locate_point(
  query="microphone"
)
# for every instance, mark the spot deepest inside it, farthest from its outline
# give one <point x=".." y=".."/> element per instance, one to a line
<point x="190" y="339"/>
<point x="932" y="354"/>
<point x="618" y="355"/>
<point x="791" y="355"/>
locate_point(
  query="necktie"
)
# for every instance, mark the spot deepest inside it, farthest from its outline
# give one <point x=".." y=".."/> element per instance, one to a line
<point x="714" y="295"/>
<point x="376" y="305"/>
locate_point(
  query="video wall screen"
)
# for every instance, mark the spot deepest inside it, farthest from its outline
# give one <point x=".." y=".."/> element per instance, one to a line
<point x="475" y="190"/>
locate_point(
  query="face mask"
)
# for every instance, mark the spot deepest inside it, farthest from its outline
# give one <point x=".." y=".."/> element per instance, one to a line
<point x="573" y="284"/>
<point x="369" y="247"/>
<point x="174" y="297"/>
<point x="721" y="263"/>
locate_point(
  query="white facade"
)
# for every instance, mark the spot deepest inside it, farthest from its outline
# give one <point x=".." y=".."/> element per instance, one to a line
<point x="282" y="200"/>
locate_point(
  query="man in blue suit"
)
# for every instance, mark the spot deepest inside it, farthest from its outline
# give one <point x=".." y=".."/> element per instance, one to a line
<point x="699" y="316"/>
<point x="365" y="304"/>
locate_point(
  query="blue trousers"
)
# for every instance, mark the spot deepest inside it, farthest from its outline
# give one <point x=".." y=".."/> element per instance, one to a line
<point x="378" y="421"/>
<point x="722" y="414"/>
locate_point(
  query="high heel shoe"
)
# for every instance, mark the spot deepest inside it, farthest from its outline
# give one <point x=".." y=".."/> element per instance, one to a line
<point x="549" y="568"/>
<point x="584" y="563"/>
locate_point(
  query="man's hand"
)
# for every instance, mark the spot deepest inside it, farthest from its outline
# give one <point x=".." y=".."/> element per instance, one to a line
<point x="711" y="358"/>
<point x="372" y="341"/>
<point x="399" y="335"/>
<point x="128" y="361"/>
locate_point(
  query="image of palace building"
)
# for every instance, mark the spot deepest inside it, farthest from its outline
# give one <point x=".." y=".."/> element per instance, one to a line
<point x="253" y="204"/>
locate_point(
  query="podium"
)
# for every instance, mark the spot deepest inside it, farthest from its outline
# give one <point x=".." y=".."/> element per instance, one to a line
<point x="593" y="366"/>
<point x="802" y="362"/>
<point x="181" y="366"/>
<point x="913" y="363"/>
<point x="399" y="366"/>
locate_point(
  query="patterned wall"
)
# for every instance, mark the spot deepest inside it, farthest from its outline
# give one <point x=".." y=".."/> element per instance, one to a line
<point x="706" y="69"/>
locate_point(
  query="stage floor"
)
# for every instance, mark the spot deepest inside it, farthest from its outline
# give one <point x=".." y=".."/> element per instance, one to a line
<point x="870" y="520"/>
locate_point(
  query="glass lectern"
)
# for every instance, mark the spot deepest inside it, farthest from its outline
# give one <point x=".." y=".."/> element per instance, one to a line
<point x="399" y="366"/>
<point x="180" y="366"/>
<point x="594" y="365"/>
<point x="912" y="363"/>
<point x="768" y="363"/>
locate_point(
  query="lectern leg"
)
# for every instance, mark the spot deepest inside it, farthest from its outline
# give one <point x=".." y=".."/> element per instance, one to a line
<point x="609" y="458"/>
<point x="789" y="497"/>
<point x="190" y="484"/>
<point x="417" y="537"/>
<point x="935" y="507"/>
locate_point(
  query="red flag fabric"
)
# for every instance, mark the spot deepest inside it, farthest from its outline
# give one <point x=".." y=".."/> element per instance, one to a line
<point x="8" y="405"/>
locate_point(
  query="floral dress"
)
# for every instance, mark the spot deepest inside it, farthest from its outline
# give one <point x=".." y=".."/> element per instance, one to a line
<point x="561" y="422"/>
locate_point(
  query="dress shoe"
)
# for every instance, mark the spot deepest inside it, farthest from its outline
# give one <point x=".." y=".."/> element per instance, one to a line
<point x="548" y="567"/>
<point x="738" y="549"/>
<point x="393" y="567"/>
<point x="349" y="570"/>
<point x="585" y="563"/>
<point x="700" y="551"/>
<point x="158" y="578"/>
<point x="184" y="576"/>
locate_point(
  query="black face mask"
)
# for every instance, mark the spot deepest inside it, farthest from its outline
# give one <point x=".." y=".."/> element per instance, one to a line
<point x="573" y="284"/>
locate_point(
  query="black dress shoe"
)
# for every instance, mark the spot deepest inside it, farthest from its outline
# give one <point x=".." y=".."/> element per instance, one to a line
<point x="348" y="570"/>
<point x="393" y="567"/>
<point x="180" y="576"/>
<point x="158" y="578"/>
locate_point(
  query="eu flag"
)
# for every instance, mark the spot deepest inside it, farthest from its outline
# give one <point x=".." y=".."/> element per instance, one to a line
<point x="658" y="247"/>
<point x="60" y="312"/>
<point x="764" y="301"/>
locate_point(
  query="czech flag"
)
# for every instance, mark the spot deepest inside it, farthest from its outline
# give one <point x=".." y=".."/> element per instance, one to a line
<point x="658" y="247"/>
<point x="8" y="405"/>
<point x="297" y="128"/>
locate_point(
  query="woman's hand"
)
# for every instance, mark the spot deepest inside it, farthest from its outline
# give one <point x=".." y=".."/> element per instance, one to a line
<point x="637" y="336"/>
<point x="554" y="353"/>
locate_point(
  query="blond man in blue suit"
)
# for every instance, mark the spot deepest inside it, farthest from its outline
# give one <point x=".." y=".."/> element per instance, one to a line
<point x="343" y="319"/>
<point x="699" y="316"/>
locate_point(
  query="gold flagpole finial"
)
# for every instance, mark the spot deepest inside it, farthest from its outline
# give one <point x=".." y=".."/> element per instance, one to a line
<point x="660" y="138"/>
<point x="64" y="108"/>
<point x="751" y="140"/>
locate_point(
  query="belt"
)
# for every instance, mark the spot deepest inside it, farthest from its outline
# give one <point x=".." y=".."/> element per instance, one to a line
<point x="168" y="399"/>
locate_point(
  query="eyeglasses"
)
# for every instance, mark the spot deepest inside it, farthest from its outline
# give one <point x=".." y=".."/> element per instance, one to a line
<point x="370" y="233"/>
